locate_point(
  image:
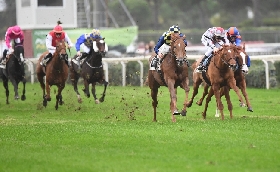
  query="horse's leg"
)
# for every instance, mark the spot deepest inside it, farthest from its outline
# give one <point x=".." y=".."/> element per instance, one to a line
<point x="23" y="97"/>
<point x="93" y="91"/>
<point x="48" y="90"/>
<point x="5" y="84"/>
<point x="205" y="92"/>
<point x="43" y="86"/>
<point x="74" y="79"/>
<point x="173" y="99"/>
<point x="59" y="96"/>
<point x="208" y="99"/>
<point x="232" y="85"/>
<point x="186" y="87"/>
<point x="226" y="92"/>
<point x="217" y="112"/>
<point x="195" y="91"/>
<point x="216" y="89"/>
<point x="242" y="87"/>
<point x="86" y="89"/>
<point x="154" y="93"/>
<point x="104" y="91"/>
<point x="15" y="84"/>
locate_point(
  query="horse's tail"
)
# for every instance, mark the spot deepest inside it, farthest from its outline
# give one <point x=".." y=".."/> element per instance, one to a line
<point x="146" y="83"/>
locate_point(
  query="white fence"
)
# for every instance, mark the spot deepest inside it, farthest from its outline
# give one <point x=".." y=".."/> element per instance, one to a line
<point x="140" y="59"/>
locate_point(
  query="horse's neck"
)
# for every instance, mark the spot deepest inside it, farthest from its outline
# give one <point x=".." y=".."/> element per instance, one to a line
<point x="96" y="59"/>
<point x="56" y="62"/>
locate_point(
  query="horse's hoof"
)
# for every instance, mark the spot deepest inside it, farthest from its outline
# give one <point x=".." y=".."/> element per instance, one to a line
<point x="80" y="101"/>
<point x="184" y="113"/>
<point x="101" y="99"/>
<point x="48" y="99"/>
<point x="198" y="103"/>
<point x="61" y="102"/>
<point x="56" y="107"/>
<point x="242" y="105"/>
<point x="250" y="109"/>
<point x="188" y="104"/>
<point x="45" y="103"/>
<point x="23" y="97"/>
<point x="176" y="113"/>
<point x="16" y="97"/>
<point x="97" y="101"/>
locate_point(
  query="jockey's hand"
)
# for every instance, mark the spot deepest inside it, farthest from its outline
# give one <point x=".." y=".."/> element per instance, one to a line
<point x="69" y="46"/>
<point x="160" y="55"/>
<point x="79" y="53"/>
<point x="11" y="50"/>
<point x="216" y="49"/>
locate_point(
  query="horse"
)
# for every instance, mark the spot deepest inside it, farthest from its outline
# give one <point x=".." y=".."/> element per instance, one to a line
<point x="14" y="72"/>
<point x="173" y="73"/>
<point x="239" y="75"/>
<point x="220" y="73"/>
<point x="55" y="73"/>
<point x="91" y="71"/>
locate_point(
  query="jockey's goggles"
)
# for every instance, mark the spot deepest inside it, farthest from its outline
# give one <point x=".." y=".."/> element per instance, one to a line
<point x="57" y="34"/>
<point x="219" y="37"/>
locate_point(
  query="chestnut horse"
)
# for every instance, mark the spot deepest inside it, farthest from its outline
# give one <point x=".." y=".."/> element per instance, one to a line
<point x="91" y="72"/>
<point x="56" y="73"/>
<point x="174" y="73"/>
<point x="14" y="72"/>
<point x="220" y="73"/>
<point x="239" y="75"/>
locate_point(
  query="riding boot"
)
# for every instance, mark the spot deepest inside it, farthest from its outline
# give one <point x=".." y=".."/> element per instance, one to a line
<point x="154" y="63"/>
<point x="201" y="67"/>
<point x="46" y="59"/>
<point x="79" y="58"/>
<point x="3" y="60"/>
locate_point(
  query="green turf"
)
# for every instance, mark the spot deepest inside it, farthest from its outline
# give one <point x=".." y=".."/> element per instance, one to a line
<point x="119" y="135"/>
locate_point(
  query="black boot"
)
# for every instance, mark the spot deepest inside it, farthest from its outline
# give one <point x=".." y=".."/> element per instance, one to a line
<point x="46" y="59"/>
<point x="155" y="62"/>
<point x="79" y="60"/>
<point x="201" y="67"/>
<point x="3" y="59"/>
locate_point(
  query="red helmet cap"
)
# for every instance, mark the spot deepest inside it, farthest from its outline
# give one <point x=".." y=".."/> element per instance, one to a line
<point x="16" y="30"/>
<point x="58" y="29"/>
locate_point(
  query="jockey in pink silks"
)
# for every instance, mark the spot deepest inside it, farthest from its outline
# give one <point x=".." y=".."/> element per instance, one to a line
<point x="13" y="33"/>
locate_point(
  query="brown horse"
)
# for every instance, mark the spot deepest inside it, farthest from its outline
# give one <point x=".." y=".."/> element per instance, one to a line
<point x="239" y="75"/>
<point x="220" y="73"/>
<point x="92" y="71"/>
<point x="56" y="73"/>
<point x="174" y="73"/>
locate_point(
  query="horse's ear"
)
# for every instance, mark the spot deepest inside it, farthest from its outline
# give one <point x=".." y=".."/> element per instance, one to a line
<point x="243" y="46"/>
<point x="103" y="38"/>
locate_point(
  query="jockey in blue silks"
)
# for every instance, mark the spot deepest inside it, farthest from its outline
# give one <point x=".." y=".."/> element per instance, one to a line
<point x="235" y="38"/>
<point x="163" y="45"/>
<point x="86" y="40"/>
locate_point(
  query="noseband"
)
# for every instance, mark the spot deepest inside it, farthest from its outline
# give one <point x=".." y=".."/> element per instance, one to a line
<point x="179" y="61"/>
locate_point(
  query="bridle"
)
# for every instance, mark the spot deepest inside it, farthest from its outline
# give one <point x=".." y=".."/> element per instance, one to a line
<point x="179" y="61"/>
<point x="226" y="61"/>
<point x="61" y="56"/>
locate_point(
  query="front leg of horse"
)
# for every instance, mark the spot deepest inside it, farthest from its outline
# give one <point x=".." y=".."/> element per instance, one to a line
<point x="104" y="92"/>
<point x="187" y="90"/>
<point x="86" y="89"/>
<point x="208" y="99"/>
<point x="23" y="97"/>
<point x="154" y="93"/>
<point x="232" y="85"/>
<point x="5" y="84"/>
<point x="226" y="92"/>
<point x="244" y="92"/>
<point x="15" y="84"/>
<point x="59" y="100"/>
<point x="93" y="91"/>
<point x="205" y="92"/>
<point x="75" y="85"/>
<point x="220" y="105"/>
<point x="173" y="100"/>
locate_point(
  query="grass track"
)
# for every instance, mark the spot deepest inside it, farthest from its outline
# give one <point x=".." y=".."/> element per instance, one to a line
<point x="119" y="135"/>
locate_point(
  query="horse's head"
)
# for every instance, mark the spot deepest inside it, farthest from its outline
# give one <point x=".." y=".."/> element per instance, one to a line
<point x="61" y="50"/>
<point x="228" y="55"/>
<point x="242" y="59"/>
<point x="178" y="48"/>
<point x="19" y="53"/>
<point x="99" y="46"/>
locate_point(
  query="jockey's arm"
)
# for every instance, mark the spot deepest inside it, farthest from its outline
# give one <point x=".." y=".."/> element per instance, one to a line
<point x="237" y="41"/>
<point x="8" y="41"/>
<point x="68" y="40"/>
<point x="49" y="43"/>
<point x="80" y="40"/>
<point x="159" y="44"/>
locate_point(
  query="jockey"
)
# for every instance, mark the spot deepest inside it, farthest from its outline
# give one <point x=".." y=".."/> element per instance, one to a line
<point x="235" y="38"/>
<point x="56" y="34"/>
<point x="163" y="45"/>
<point x="213" y="39"/>
<point x="13" y="33"/>
<point x="86" y="40"/>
